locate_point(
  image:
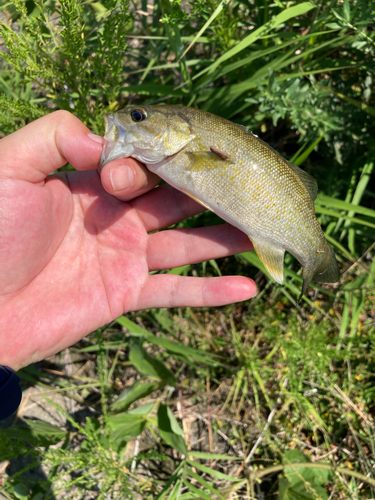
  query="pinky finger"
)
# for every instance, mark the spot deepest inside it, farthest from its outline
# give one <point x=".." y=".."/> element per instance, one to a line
<point x="169" y="290"/>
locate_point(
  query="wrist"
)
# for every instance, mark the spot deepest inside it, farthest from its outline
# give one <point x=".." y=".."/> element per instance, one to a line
<point x="10" y="392"/>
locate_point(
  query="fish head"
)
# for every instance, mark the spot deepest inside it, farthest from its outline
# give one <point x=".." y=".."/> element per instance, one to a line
<point x="148" y="133"/>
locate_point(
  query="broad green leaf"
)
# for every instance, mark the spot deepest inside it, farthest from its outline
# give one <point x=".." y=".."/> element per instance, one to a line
<point x="283" y="488"/>
<point x="148" y="365"/>
<point x="128" y="431"/>
<point x="295" y="476"/>
<point x="37" y="433"/>
<point x="295" y="456"/>
<point x="142" y="410"/>
<point x="126" y="426"/>
<point x="347" y="10"/>
<point x="21" y="492"/>
<point x="123" y="420"/>
<point x="137" y="391"/>
<point x="300" y="492"/>
<point x="169" y="429"/>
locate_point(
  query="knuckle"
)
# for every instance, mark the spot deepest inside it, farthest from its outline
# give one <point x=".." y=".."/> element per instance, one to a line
<point x="63" y="117"/>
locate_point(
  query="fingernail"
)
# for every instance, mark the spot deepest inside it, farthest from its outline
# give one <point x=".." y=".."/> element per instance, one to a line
<point x="96" y="138"/>
<point x="121" y="177"/>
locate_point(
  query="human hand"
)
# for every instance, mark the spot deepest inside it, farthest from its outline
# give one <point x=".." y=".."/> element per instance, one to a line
<point x="74" y="257"/>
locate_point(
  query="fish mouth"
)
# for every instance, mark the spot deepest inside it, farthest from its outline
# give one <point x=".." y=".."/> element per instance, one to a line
<point x="117" y="144"/>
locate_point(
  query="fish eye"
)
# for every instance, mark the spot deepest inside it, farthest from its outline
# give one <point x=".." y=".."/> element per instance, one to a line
<point x="138" y="115"/>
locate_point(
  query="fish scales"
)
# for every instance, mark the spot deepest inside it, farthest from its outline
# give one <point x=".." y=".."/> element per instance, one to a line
<point x="232" y="172"/>
<point x="246" y="177"/>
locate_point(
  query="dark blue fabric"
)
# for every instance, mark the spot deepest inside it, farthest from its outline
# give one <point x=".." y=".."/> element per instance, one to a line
<point x="10" y="392"/>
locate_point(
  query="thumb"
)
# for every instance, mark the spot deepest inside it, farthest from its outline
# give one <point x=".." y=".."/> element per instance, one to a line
<point x="47" y="144"/>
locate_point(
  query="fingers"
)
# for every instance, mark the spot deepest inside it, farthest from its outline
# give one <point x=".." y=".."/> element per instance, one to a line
<point x="164" y="206"/>
<point x="127" y="179"/>
<point x="47" y="144"/>
<point x="178" y="247"/>
<point x="168" y="290"/>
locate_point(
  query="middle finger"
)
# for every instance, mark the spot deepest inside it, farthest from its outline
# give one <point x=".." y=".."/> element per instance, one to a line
<point x="178" y="247"/>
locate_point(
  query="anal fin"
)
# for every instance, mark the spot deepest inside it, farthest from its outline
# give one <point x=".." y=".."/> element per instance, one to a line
<point x="271" y="256"/>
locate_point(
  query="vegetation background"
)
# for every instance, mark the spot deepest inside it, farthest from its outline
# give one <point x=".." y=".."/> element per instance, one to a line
<point x="212" y="403"/>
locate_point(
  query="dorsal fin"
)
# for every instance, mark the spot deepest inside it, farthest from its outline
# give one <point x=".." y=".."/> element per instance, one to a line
<point x="307" y="180"/>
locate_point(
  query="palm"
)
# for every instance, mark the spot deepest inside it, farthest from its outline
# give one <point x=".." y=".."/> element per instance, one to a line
<point x="74" y="258"/>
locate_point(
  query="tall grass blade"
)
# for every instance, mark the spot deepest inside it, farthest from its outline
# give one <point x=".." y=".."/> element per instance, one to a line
<point x="301" y="158"/>
<point x="214" y="473"/>
<point x="323" y="200"/>
<point x="356" y="200"/>
<point x="281" y="18"/>
<point x="213" y="16"/>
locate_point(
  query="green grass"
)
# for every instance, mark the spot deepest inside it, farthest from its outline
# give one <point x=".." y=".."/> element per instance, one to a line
<point x="215" y="403"/>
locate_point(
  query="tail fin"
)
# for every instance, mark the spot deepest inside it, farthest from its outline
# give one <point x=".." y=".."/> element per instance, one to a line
<point x="325" y="270"/>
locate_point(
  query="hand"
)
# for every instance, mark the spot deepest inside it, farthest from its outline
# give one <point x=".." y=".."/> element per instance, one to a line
<point x="73" y="257"/>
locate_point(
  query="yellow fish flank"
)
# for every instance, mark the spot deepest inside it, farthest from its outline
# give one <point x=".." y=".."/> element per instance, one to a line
<point x="232" y="172"/>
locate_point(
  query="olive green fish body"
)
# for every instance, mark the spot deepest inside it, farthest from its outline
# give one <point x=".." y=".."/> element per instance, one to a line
<point x="232" y="172"/>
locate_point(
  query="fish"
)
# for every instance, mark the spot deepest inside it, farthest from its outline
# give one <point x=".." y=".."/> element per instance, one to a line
<point x="232" y="172"/>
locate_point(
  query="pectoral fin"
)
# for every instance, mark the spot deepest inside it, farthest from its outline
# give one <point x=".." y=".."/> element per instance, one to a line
<point x="272" y="258"/>
<point x="219" y="153"/>
<point x="207" y="160"/>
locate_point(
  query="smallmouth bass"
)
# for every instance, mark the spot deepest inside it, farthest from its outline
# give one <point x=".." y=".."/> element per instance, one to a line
<point x="232" y="172"/>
